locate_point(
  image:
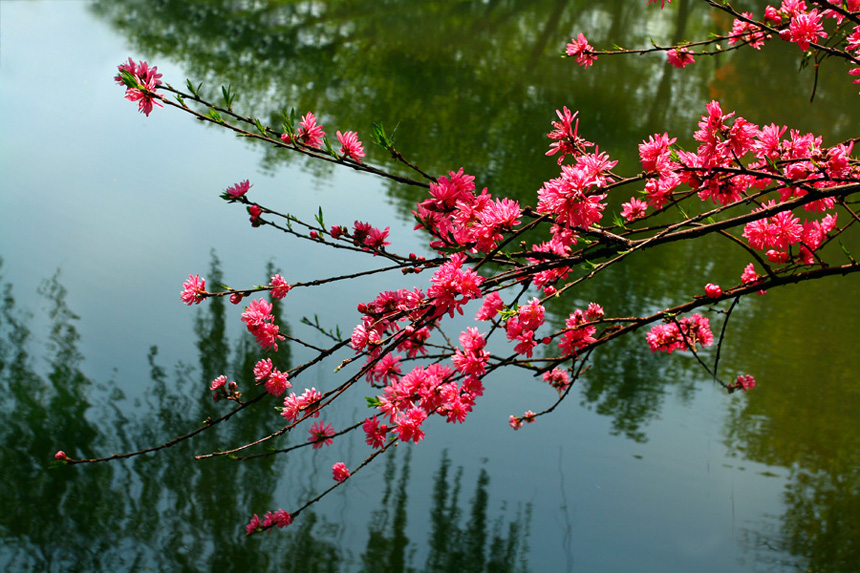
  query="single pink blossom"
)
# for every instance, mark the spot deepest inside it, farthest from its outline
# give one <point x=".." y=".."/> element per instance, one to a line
<point x="218" y="383"/>
<point x="374" y="432"/>
<point x="680" y="57"/>
<point x="254" y="525"/>
<point x="193" y="290"/>
<point x="61" y="456"/>
<point x="279" y="286"/>
<point x="516" y="423"/>
<point x="321" y="434"/>
<point x="340" y="472"/>
<point x="580" y="49"/>
<point x="142" y="84"/>
<point x="805" y="28"/>
<point x="351" y="146"/>
<point x="490" y="307"/>
<point x="558" y="379"/>
<point x="238" y="190"/>
<point x="310" y="133"/>
<point x="745" y="382"/>
<point x="277" y="382"/>
<point x="634" y="209"/>
<point x="262" y="369"/>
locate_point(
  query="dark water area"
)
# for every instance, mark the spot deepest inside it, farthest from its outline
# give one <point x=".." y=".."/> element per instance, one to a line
<point x="646" y="466"/>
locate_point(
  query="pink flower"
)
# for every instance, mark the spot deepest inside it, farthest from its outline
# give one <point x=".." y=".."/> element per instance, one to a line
<point x="321" y="434"/>
<point x="490" y="307"/>
<point x="680" y="57"/>
<point x="375" y="239"/>
<point x="140" y="87"/>
<point x="255" y="211"/>
<point x="310" y="133"/>
<point x="565" y="137"/>
<point x="580" y="49"/>
<point x="261" y="323"/>
<point x="667" y="337"/>
<point x="662" y="3"/>
<point x="634" y="209"/>
<point x="409" y="424"/>
<point x="218" y="383"/>
<point x="745" y="382"/>
<point x="262" y="369"/>
<point x="516" y="423"/>
<point x="805" y="28"/>
<point x="558" y="379"/>
<point x="743" y="31"/>
<point x="61" y="456"/>
<point x="194" y="290"/>
<point x="374" y="432"/>
<point x="572" y="198"/>
<point x="453" y="286"/>
<point x="279" y="286"/>
<point x="236" y="297"/>
<point x="277" y="383"/>
<point x="238" y="190"/>
<point x="749" y="275"/>
<point x="712" y="290"/>
<point x="282" y="518"/>
<point x="339" y="472"/>
<point x="351" y="146"/>
<point x="254" y="525"/>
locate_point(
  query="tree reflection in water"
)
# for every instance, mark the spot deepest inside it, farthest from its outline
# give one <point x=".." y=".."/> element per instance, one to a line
<point x="165" y="511"/>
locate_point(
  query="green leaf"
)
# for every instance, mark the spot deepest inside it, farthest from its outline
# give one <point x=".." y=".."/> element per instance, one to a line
<point x="373" y="402"/>
<point x="192" y="89"/>
<point x="228" y="97"/>
<point x="260" y="127"/>
<point x="329" y="148"/>
<point x="319" y="219"/>
<point x="181" y="100"/>
<point x="214" y="115"/>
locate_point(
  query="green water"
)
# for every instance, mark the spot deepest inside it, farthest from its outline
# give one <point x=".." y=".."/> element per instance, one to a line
<point x="647" y="467"/>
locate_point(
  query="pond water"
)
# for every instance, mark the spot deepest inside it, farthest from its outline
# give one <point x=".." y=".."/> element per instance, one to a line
<point x="647" y="466"/>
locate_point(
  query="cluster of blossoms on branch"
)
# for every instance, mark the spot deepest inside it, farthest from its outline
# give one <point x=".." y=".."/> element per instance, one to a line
<point x="773" y="191"/>
<point x="793" y="21"/>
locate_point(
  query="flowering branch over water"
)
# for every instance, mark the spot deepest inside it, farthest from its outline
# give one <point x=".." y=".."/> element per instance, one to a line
<point x="782" y="196"/>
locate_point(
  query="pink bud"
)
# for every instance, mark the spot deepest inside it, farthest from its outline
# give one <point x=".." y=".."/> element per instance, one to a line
<point x="713" y="291"/>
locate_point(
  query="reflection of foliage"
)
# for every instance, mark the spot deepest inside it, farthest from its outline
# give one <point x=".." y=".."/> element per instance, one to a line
<point x="148" y="512"/>
<point x="469" y="83"/>
<point x="456" y="548"/>
<point x="157" y="511"/>
<point x="807" y="423"/>
<point x="386" y="552"/>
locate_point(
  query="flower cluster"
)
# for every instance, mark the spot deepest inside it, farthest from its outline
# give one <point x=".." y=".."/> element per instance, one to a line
<point x="276" y="382"/>
<point x="456" y="217"/>
<point x="580" y="331"/>
<point x="221" y="389"/>
<point x="308" y="402"/>
<point x="279" y="518"/>
<point x="682" y="334"/>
